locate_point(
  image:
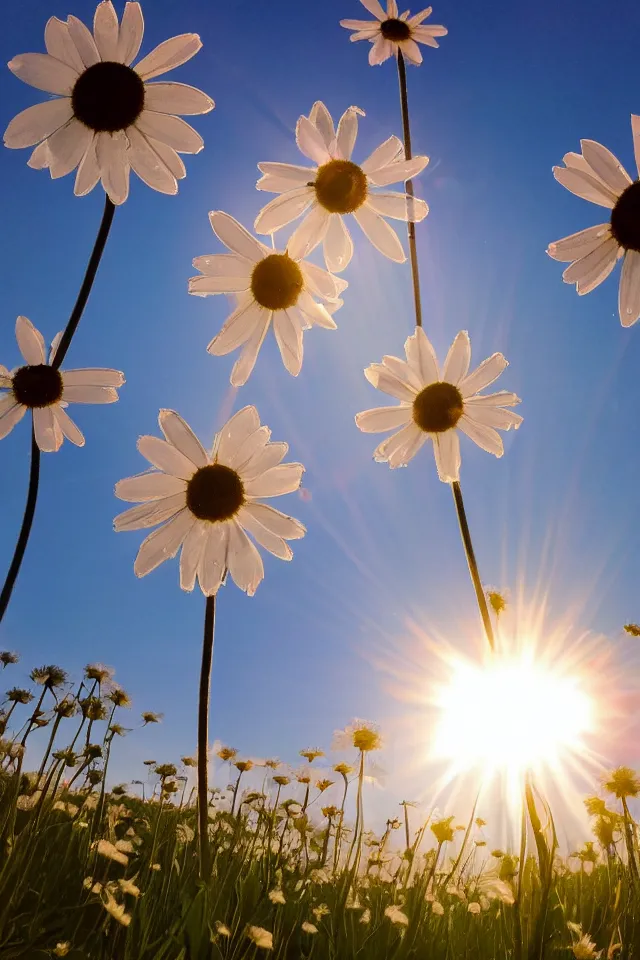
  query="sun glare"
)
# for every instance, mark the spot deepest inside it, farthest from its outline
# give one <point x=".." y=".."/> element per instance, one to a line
<point x="511" y="715"/>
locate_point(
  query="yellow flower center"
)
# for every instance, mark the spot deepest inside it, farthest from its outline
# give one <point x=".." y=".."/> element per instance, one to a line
<point x="277" y="282"/>
<point x="366" y="740"/>
<point x="341" y="186"/>
<point x="438" y="407"/>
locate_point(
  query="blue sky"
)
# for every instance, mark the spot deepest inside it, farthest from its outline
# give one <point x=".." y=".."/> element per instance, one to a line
<point x="512" y="88"/>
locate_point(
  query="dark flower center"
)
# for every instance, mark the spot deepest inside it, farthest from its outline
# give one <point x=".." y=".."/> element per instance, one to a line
<point x="625" y="218"/>
<point x="276" y="282"/>
<point x="215" y="493"/>
<point x="438" y="407"/>
<point x="395" y="29"/>
<point x="37" y="386"/>
<point x="341" y="186"/>
<point x="108" y="97"/>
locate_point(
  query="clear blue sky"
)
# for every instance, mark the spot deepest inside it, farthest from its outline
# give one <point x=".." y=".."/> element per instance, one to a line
<point x="512" y="88"/>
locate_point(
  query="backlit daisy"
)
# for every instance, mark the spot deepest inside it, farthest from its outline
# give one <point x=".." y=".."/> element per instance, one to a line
<point x="596" y="175"/>
<point x="207" y="503"/>
<point x="435" y="406"/>
<point x="337" y="186"/>
<point x="38" y="387"/>
<point x="107" y="117"/>
<point x="390" y="33"/>
<point x="269" y="285"/>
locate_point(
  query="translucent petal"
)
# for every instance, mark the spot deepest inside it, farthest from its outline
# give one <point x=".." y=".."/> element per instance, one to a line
<point x="130" y="34"/>
<point x="422" y="357"/>
<point x="173" y="131"/>
<point x="166" y="457"/>
<point x="322" y="119"/>
<point x="38" y="122"/>
<point x="338" y="245"/>
<point x="245" y="563"/>
<point x="191" y="555"/>
<point x="488" y="371"/>
<point x="11" y="413"/>
<point x="149" y="514"/>
<point x="169" y="55"/>
<point x="30" y="342"/>
<point x="163" y="543"/>
<point x="392" y="149"/>
<point x="149" y="486"/>
<point x="398" y="171"/>
<point x="607" y="167"/>
<point x="309" y="233"/>
<point x="629" y="297"/>
<point x="380" y="234"/>
<point x="579" y="244"/>
<point x="44" y="72"/>
<point x="288" y="334"/>
<point x="386" y="381"/>
<point x="60" y="45"/>
<point x="275" y="482"/>
<point x="105" y="30"/>
<point x="278" y="523"/>
<point x="67" y="147"/>
<point x="239" y="327"/>
<point x="236" y="237"/>
<point x="111" y="154"/>
<point x="275" y="545"/>
<point x="486" y="437"/>
<point x="235" y="431"/>
<point x="456" y="365"/>
<point x="180" y="434"/>
<point x="310" y="141"/>
<point x="283" y="209"/>
<point x="48" y="434"/>
<point x="83" y="39"/>
<point x="446" y="447"/>
<point x="176" y="98"/>
<point x="381" y="419"/>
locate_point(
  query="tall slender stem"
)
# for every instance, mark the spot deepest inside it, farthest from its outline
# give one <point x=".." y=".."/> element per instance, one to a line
<point x="203" y="735"/>
<point x="411" y="227"/>
<point x="25" y="529"/>
<point x="471" y="560"/>
<point x="63" y="346"/>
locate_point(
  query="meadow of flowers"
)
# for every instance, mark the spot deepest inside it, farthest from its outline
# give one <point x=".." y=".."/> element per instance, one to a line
<point x="271" y="858"/>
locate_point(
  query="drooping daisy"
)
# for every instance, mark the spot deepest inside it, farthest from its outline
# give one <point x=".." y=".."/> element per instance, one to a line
<point x="390" y="33"/>
<point x="107" y="117"/>
<point x="269" y="285"/>
<point x="596" y="175"/>
<point x="435" y="406"/>
<point x="207" y="503"/>
<point x="337" y="186"/>
<point x="38" y="387"/>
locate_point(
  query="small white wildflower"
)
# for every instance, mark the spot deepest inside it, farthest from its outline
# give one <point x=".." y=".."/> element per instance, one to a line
<point x="261" y="937"/>
<point x="277" y="896"/>
<point x="396" y="916"/>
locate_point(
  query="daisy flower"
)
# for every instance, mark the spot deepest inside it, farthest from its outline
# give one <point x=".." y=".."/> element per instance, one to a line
<point x="269" y="285"/>
<point x="207" y="503"/>
<point x="361" y="734"/>
<point x="434" y="406"/>
<point x="107" y="117"/>
<point x="337" y="186"/>
<point x="596" y="175"/>
<point x="390" y="33"/>
<point x="38" y="387"/>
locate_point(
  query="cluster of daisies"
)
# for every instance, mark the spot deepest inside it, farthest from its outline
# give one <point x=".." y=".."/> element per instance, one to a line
<point x="107" y="117"/>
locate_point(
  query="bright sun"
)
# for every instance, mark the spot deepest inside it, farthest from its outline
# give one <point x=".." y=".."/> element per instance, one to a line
<point x="511" y="715"/>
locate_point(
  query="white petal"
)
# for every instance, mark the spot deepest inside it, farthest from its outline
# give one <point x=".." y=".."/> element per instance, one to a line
<point x="147" y="163"/>
<point x="213" y="563"/>
<point x="235" y="237"/>
<point x="283" y="209"/>
<point x="288" y="334"/>
<point x="398" y="449"/>
<point x="36" y="123"/>
<point x="208" y="286"/>
<point x="83" y="40"/>
<point x="173" y="131"/>
<point x="320" y="282"/>
<point x="235" y="431"/>
<point x="456" y="366"/>
<point x="381" y="419"/>
<point x="322" y="119"/>
<point x="373" y="6"/>
<point x="88" y="171"/>
<point x="290" y="175"/>
<point x="245" y="563"/>
<point x="11" y="413"/>
<point x="89" y="394"/>
<point x="30" y="342"/>
<point x="607" y="167"/>
<point x="130" y="33"/>
<point x="386" y="381"/>
<point x="310" y="142"/>
<point x="503" y="398"/>
<point x="47" y="432"/>
<point x="347" y="132"/>
<point x="314" y="313"/>
<point x="169" y="55"/>
<point x="419" y="17"/>
<point x="192" y="554"/>
<point x="285" y="478"/>
<point x="404" y="372"/>
<point x="411" y="51"/>
<point x="368" y="33"/>
<point x="427" y="34"/>
<point x="380" y="234"/>
<point x="111" y="154"/>
<point x="44" y="72"/>
<point x="166" y="457"/>
<point x="381" y="50"/>
<point x="149" y="486"/>
<point x="93" y="377"/>
<point x="399" y="170"/>
<point x="338" y="245"/>
<point x="40" y="158"/>
<point x="276" y="522"/>
<point x="60" y="45"/>
<point x="169" y="157"/>
<point x="163" y="543"/>
<point x="238" y="327"/>
<point x="629" y="297"/>
<point x="149" y="514"/>
<point x="67" y="147"/>
<point x="591" y="270"/>
<point x="488" y="371"/>
<point x="105" y="30"/>
<point x="262" y="459"/>
<point x="392" y="9"/>
<point x="399" y="206"/>
<point x="579" y="244"/>
<point x="176" y="98"/>
<point x="360" y="25"/>
<point x="446" y="447"/>
<point x="486" y="437"/>
<point x="492" y="416"/>
<point x="180" y="434"/>
<point x="422" y="357"/>
<point x="275" y="545"/>
<point x="392" y="149"/>
<point x="309" y="233"/>
<point x="250" y="448"/>
<point x="585" y="186"/>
